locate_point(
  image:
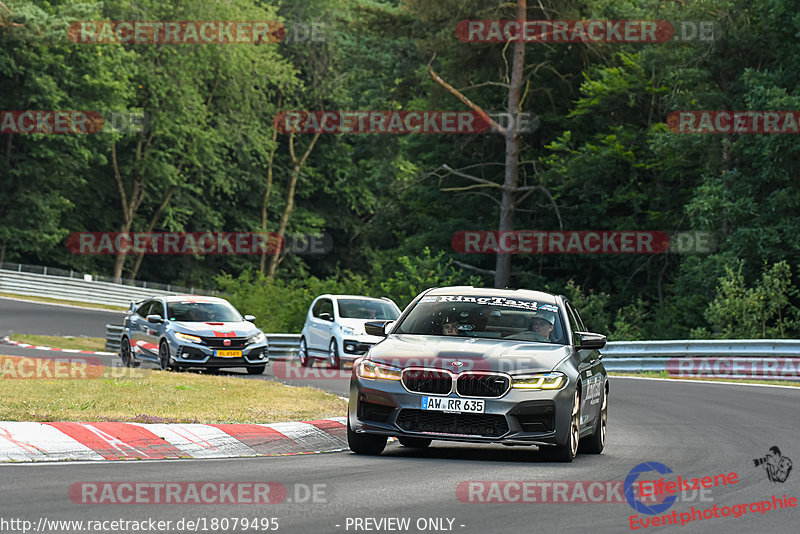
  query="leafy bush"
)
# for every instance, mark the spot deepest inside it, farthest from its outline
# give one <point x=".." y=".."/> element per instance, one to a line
<point x="421" y="272"/>
<point x="762" y="311"/>
<point x="281" y="306"/>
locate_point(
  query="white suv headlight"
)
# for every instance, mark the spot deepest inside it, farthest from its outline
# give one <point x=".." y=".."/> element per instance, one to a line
<point x="348" y="331"/>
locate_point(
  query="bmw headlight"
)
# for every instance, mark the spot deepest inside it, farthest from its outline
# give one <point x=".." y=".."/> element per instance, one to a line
<point x="188" y="338"/>
<point x="370" y="369"/>
<point x="258" y="338"/>
<point x="539" y="381"/>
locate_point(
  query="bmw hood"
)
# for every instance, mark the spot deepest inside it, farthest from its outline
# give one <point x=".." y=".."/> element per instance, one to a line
<point x="213" y="329"/>
<point x="467" y="353"/>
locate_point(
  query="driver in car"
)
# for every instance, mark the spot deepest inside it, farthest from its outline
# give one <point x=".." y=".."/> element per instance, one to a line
<point x="449" y="328"/>
<point x="541" y="327"/>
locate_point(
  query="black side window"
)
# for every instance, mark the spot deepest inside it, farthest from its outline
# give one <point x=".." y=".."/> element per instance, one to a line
<point x="580" y="321"/>
<point x="574" y="319"/>
<point x="144" y="309"/>
<point x="323" y="306"/>
<point x="158" y="309"/>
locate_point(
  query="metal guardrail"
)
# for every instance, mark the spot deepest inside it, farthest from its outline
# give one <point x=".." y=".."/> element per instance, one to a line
<point x="71" y="273"/>
<point x="65" y="288"/>
<point x="771" y="359"/>
<point x="283" y="346"/>
<point x="754" y="358"/>
<point x="113" y="337"/>
<point x="771" y="348"/>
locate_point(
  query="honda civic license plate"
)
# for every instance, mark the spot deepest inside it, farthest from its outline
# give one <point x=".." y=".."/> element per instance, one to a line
<point x="228" y="353"/>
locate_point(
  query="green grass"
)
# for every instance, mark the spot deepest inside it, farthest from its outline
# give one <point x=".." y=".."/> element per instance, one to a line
<point x="57" y="342"/>
<point x="664" y="374"/>
<point x="123" y="394"/>
<point x="60" y="301"/>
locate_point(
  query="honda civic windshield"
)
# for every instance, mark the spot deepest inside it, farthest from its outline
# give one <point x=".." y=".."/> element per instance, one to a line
<point x="202" y="312"/>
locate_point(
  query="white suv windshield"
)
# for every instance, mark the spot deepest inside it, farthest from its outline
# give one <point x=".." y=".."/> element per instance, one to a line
<point x="366" y="309"/>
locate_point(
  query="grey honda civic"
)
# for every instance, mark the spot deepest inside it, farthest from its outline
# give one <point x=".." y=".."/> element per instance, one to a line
<point x="183" y="331"/>
<point x="516" y="367"/>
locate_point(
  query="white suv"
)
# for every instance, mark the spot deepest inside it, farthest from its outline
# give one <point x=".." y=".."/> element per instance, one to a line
<point x="334" y="328"/>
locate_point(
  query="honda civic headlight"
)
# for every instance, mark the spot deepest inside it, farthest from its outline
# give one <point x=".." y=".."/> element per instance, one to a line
<point x="188" y="338"/>
<point x="258" y="338"/>
<point x="539" y="381"/>
<point x="370" y="369"/>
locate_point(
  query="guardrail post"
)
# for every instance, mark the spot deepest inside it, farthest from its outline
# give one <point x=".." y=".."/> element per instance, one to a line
<point x="113" y="337"/>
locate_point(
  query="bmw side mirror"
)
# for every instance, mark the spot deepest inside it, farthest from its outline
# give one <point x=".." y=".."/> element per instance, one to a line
<point x="376" y="328"/>
<point x="250" y="318"/>
<point x="589" y="340"/>
<point x="155" y="318"/>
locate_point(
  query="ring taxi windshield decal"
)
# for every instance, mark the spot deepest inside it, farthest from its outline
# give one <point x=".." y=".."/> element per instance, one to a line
<point x="493" y="301"/>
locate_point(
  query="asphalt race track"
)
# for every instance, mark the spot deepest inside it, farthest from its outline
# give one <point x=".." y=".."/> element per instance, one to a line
<point x="695" y="429"/>
<point x="46" y="319"/>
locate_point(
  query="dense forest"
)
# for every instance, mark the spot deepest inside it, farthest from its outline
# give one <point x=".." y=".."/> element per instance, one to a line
<point x="597" y="154"/>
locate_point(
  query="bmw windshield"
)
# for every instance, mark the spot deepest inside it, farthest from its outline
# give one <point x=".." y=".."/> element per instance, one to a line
<point x="484" y="317"/>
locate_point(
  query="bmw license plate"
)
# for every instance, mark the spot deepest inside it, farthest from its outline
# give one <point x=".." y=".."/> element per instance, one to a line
<point x="446" y="404"/>
<point x="228" y="353"/>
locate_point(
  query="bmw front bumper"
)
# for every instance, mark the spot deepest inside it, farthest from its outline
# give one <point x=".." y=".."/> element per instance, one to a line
<point x="520" y="417"/>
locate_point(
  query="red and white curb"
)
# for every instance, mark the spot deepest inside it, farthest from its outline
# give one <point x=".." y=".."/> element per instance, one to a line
<point x="43" y="347"/>
<point x="36" y="442"/>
